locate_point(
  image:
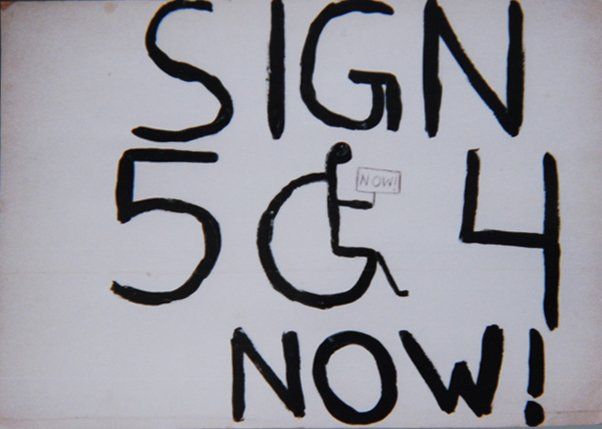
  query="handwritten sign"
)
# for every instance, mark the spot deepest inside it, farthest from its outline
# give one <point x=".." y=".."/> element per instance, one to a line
<point x="374" y="180"/>
<point x="186" y="238"/>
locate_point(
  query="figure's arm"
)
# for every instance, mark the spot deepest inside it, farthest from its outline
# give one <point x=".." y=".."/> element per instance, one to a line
<point x="356" y="204"/>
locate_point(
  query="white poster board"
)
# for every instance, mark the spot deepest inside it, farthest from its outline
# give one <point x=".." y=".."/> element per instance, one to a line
<point x="300" y="214"/>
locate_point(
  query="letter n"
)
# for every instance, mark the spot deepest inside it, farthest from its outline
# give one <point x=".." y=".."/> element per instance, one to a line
<point x="291" y="394"/>
<point x="436" y="25"/>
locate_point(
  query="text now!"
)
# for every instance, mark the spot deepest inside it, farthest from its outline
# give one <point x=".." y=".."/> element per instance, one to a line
<point x="378" y="181"/>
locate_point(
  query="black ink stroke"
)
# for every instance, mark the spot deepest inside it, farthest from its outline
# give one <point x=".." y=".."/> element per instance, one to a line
<point x="548" y="240"/>
<point x="187" y="73"/>
<point x="478" y="395"/>
<point x="340" y="153"/>
<point x="276" y="72"/>
<point x="437" y="26"/>
<point x="291" y="394"/>
<point x="386" y="370"/>
<point x="534" y="412"/>
<point x="127" y="209"/>
<point x="389" y="98"/>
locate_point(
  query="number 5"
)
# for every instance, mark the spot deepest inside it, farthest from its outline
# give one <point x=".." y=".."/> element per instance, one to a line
<point x="127" y="209"/>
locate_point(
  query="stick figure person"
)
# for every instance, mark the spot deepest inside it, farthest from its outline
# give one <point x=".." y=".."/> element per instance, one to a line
<point x="340" y="153"/>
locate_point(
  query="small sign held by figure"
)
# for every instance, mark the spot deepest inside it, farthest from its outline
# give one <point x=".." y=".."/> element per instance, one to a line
<point x="376" y="180"/>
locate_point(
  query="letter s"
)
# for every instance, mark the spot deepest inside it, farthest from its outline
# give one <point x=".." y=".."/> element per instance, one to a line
<point x="187" y="73"/>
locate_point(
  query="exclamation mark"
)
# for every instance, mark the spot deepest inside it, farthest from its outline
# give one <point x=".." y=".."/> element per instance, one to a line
<point x="534" y="413"/>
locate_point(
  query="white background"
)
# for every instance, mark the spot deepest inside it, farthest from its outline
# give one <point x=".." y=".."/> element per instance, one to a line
<point x="76" y="79"/>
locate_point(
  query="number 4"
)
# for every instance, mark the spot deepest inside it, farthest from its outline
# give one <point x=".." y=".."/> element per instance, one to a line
<point x="548" y="240"/>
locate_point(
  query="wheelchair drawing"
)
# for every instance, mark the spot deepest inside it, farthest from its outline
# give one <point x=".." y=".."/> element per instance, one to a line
<point x="340" y="153"/>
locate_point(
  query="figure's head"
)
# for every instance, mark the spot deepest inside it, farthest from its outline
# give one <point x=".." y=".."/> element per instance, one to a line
<point x="340" y="153"/>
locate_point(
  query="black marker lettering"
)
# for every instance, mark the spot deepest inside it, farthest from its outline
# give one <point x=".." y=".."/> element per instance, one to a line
<point x="276" y="72"/>
<point x="127" y="209"/>
<point x="548" y="241"/>
<point x="437" y="26"/>
<point x="390" y="97"/>
<point x="291" y="395"/>
<point x="534" y="413"/>
<point x="479" y="395"/>
<point x="386" y="370"/>
<point x="187" y="73"/>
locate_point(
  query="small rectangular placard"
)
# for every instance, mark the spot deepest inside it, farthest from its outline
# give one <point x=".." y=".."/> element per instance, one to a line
<point x="376" y="180"/>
